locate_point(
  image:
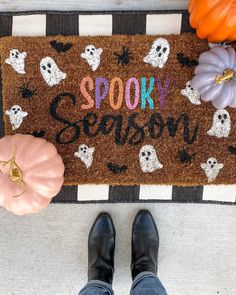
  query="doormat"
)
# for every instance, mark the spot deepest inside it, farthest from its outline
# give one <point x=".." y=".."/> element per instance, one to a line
<point x="120" y="109"/>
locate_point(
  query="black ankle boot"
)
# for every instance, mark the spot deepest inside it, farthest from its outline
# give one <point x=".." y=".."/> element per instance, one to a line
<point x="145" y="244"/>
<point x="101" y="249"/>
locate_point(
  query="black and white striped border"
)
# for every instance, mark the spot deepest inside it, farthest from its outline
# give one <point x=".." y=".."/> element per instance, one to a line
<point x="93" y="23"/>
<point x="108" y="23"/>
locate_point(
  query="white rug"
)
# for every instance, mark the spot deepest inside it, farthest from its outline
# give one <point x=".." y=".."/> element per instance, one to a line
<point x="46" y="254"/>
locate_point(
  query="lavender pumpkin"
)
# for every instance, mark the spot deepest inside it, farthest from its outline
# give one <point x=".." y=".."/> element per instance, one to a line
<point x="215" y="77"/>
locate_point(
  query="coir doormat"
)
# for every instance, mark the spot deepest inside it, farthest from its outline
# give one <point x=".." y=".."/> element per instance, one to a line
<point x="119" y="109"/>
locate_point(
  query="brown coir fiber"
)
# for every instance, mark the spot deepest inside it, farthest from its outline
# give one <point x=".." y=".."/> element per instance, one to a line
<point x="175" y="128"/>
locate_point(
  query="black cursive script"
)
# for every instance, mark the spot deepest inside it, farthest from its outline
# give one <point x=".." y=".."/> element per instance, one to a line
<point x="126" y="130"/>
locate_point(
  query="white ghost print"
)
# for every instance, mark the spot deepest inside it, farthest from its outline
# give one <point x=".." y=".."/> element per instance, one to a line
<point x="85" y="154"/>
<point x="221" y="124"/>
<point x="92" y="56"/>
<point x="221" y="44"/>
<point x="16" y="116"/>
<point x="192" y="94"/>
<point x="148" y="159"/>
<point x="17" y="60"/>
<point x="158" y="54"/>
<point x="51" y="72"/>
<point x="211" y="168"/>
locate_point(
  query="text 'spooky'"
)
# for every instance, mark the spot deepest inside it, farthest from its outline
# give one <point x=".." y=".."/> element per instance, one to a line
<point x="147" y="93"/>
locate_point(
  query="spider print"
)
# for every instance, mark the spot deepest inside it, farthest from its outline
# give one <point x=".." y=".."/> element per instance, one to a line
<point x="124" y="57"/>
<point x="26" y="92"/>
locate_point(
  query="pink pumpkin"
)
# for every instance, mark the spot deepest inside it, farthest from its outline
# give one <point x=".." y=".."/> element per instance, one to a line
<point x="31" y="173"/>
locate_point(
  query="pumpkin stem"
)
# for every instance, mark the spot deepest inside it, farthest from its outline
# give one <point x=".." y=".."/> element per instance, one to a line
<point x="25" y="189"/>
<point x="228" y="74"/>
<point x="16" y="175"/>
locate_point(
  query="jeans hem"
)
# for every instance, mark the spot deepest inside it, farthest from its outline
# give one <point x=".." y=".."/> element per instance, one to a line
<point x="97" y="283"/>
<point x="141" y="276"/>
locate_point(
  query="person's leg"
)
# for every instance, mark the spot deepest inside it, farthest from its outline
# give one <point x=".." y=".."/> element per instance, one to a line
<point x="145" y="246"/>
<point x="101" y="251"/>
<point x="96" y="288"/>
<point x="146" y="283"/>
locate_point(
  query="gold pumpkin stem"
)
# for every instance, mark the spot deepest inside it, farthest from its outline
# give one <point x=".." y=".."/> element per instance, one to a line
<point x="228" y="74"/>
<point x="25" y="189"/>
<point x="15" y="173"/>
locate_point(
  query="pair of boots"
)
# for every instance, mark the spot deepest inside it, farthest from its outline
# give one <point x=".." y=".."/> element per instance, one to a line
<point x="101" y="247"/>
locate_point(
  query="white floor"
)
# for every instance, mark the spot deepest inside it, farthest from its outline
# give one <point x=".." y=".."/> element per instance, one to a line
<point x="46" y="254"/>
<point x="26" y="5"/>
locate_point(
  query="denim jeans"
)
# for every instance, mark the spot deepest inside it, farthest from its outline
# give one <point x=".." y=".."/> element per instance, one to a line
<point x="146" y="283"/>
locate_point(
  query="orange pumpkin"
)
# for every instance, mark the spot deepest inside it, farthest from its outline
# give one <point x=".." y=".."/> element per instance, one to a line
<point x="214" y="20"/>
<point x="31" y="173"/>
